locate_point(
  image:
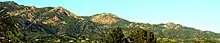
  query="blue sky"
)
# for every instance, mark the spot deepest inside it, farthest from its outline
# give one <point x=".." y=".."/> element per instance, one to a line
<point x="200" y="14"/>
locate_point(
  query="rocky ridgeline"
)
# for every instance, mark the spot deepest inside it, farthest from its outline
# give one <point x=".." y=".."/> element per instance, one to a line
<point x="61" y="10"/>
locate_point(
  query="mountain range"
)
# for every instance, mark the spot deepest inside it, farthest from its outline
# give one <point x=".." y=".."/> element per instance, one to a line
<point x="29" y="24"/>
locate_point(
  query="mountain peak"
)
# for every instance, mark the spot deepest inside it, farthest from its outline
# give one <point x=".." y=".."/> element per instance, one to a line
<point x="61" y="10"/>
<point x="8" y="3"/>
<point x="172" y="25"/>
<point x="106" y="14"/>
<point x="105" y="18"/>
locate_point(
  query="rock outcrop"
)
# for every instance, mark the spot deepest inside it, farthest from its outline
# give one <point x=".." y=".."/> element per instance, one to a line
<point x="61" y="10"/>
<point x="105" y="18"/>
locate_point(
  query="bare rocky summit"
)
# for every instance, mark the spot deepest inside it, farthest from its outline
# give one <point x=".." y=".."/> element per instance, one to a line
<point x="105" y="18"/>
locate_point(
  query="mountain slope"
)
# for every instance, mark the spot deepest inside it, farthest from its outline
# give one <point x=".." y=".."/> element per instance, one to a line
<point x="30" y="24"/>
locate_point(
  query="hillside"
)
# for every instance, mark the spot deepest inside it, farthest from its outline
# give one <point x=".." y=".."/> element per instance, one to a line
<point x="29" y="24"/>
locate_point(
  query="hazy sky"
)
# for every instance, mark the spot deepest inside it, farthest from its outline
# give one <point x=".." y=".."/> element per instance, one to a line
<point x="200" y="14"/>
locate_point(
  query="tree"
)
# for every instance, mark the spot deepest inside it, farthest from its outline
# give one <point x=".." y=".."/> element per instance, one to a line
<point x="142" y="36"/>
<point x="116" y="36"/>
